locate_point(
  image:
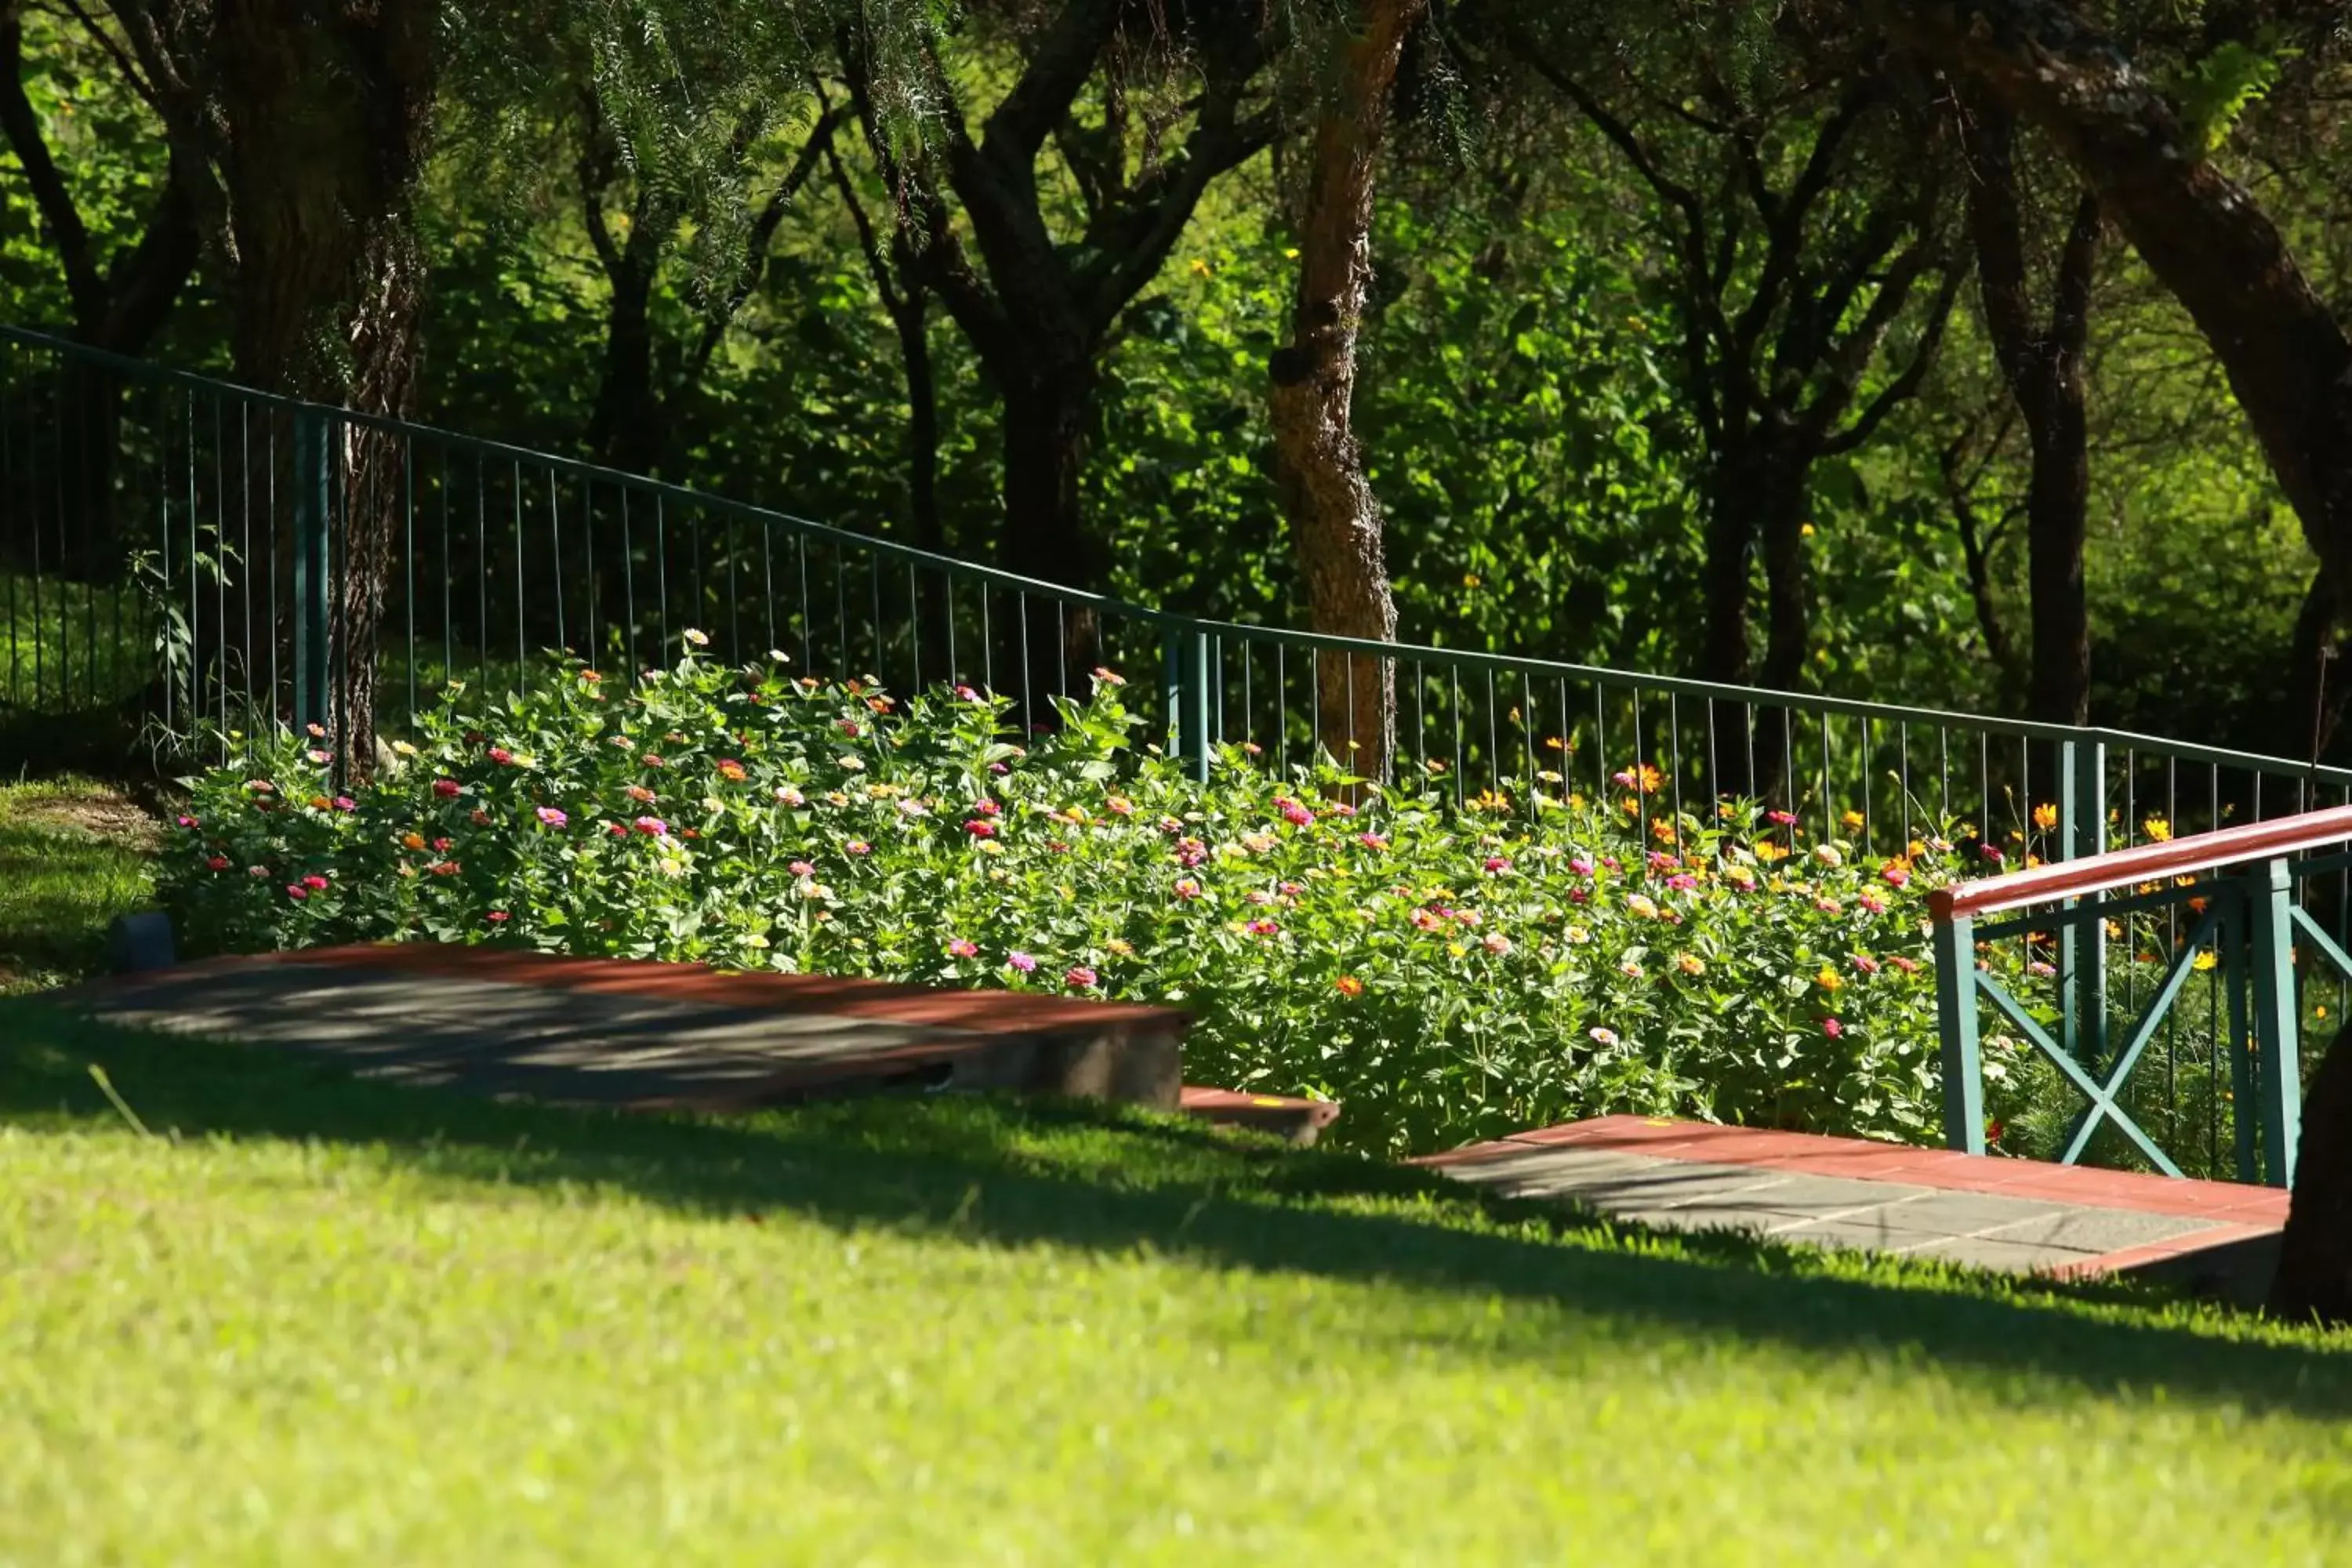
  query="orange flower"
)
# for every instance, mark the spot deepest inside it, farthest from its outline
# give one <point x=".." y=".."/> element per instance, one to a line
<point x="1348" y="985"/>
<point x="412" y="841"/>
<point x="2045" y="816"/>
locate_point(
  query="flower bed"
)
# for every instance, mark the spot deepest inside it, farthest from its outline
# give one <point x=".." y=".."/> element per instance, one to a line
<point x="1450" y="973"/>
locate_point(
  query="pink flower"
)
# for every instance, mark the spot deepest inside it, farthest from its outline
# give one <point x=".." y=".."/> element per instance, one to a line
<point x="1263" y="928"/>
<point x="1682" y="882"/>
<point x="498" y="917"/>
<point x="551" y="817"/>
<point x="960" y="948"/>
<point x="317" y="731"/>
<point x="1896" y="876"/>
<point x="1021" y="962"/>
<point x="1991" y="852"/>
<point x="998" y="768"/>
<point x="651" y="826"/>
<point x="1581" y="865"/>
<point x="2040" y="970"/>
<point x="296" y="892"/>
<point x="1258" y="897"/>
<point x="1078" y="976"/>
<point x="500" y="755"/>
<point x="966" y="694"/>
<point x="1622" y="780"/>
<point x="985" y="808"/>
<point x="441" y="844"/>
<point x="652" y="761"/>
<point x="1292" y="812"/>
<point x="639" y="793"/>
<point x="345" y="803"/>
<point x="188" y="821"/>
<point x="1372" y="840"/>
<point x="787" y="796"/>
<point x="257" y="870"/>
<point x="1907" y="965"/>
<point x="981" y="828"/>
<point x="1871" y="902"/>
<point x="217" y="863"/>
<point x="1497" y="944"/>
<point x="1865" y="962"/>
<point x="322" y="758"/>
<point x="858" y="846"/>
<point x="315" y="882"/>
<point x="1496" y="863"/>
<point x="1781" y="818"/>
<point x="1119" y="806"/>
<point x="1832" y="1027"/>
<point x="1191" y="852"/>
<point x="1187" y="889"/>
<point x="1827" y="906"/>
<point x="445" y="788"/>
<point x="802" y="868"/>
<point x="1288" y="890"/>
<point x="1341" y="808"/>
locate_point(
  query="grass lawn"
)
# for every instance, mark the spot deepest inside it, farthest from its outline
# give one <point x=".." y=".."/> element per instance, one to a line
<point x="73" y="854"/>
<point x="306" y="1320"/>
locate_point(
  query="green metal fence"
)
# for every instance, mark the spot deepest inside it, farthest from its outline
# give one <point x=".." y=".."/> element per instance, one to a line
<point x="182" y="552"/>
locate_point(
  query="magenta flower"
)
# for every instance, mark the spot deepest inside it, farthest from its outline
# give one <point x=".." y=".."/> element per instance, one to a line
<point x="1078" y="976"/>
<point x="1191" y="852"/>
<point x="1682" y="882"/>
<point x="498" y="917"/>
<point x="1292" y="812"/>
<point x="551" y="817"/>
<point x="1875" y="904"/>
<point x="1865" y="962"/>
<point x="966" y="694"/>
<point x="651" y="826"/>
<point x="500" y="755"/>
<point x="998" y="768"/>
<point x="1263" y="928"/>
<point x="188" y="821"/>
<point x="981" y="828"/>
<point x="858" y="846"/>
<point x="1781" y="818"/>
<point x="322" y="758"/>
<point x="1021" y="962"/>
<point x="445" y="788"/>
<point x="1495" y="864"/>
<point x="296" y="892"/>
<point x="1896" y="876"/>
<point x="1992" y="852"/>
<point x="1372" y="840"/>
<point x="1187" y="889"/>
<point x="345" y="803"/>
<point x="1832" y="1027"/>
<point x="960" y="948"/>
<point x="1623" y="778"/>
<point x="985" y="807"/>
<point x="315" y="882"/>
<point x="802" y="868"/>
<point x="1581" y="865"/>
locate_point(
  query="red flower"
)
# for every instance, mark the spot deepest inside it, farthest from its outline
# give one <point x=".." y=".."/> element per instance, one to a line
<point x="316" y="883"/>
<point x="445" y="788"/>
<point x="217" y="863"/>
<point x="296" y="892"/>
<point x="498" y="917"/>
<point x="1348" y="985"/>
<point x="1079" y="976"/>
<point x="980" y="828"/>
<point x="444" y="867"/>
<point x="441" y="844"/>
<point x="500" y="755"/>
<point x="1896" y="876"/>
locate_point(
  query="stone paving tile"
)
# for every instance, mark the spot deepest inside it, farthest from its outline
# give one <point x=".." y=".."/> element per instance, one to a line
<point x="1673" y="1181"/>
<point x="2097" y="1230"/>
<point x="1989" y="1252"/>
<point x="1964" y="1214"/>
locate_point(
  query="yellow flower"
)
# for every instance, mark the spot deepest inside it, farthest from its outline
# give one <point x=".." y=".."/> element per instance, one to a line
<point x="2204" y="961"/>
<point x="1689" y="964"/>
<point x="1643" y="905"/>
<point x="2045" y="816"/>
<point x="1805" y="531"/>
<point x="1852" y="820"/>
<point x="1767" y="851"/>
<point x="2157" y="829"/>
<point x="1554" y="743"/>
<point x="1828" y="979"/>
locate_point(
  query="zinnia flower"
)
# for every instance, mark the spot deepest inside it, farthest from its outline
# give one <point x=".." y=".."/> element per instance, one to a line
<point x="651" y="826"/>
<point x="731" y="770"/>
<point x="498" y="917"/>
<point x="500" y="755"/>
<point x="551" y="817"/>
<point x="1601" y="1036"/>
<point x="1897" y="875"/>
<point x="1497" y="944"/>
<point x="1187" y="889"/>
<point x="1832" y="1027"/>
<point x="802" y="868"/>
<point x="218" y="863"/>
<point x="445" y="788"/>
<point x="858" y="846"/>
<point x="296" y="892"/>
<point x="315" y="882"/>
<point x="1348" y="985"/>
<point x="960" y="948"/>
<point x="1493" y="864"/>
<point x="979" y="827"/>
<point x="1078" y="976"/>
<point x="188" y="821"/>
<point x="1021" y="962"/>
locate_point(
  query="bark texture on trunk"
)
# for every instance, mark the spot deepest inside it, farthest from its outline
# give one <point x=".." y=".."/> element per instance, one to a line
<point x="1335" y="519"/>
<point x="2288" y="359"/>
<point x="2044" y="369"/>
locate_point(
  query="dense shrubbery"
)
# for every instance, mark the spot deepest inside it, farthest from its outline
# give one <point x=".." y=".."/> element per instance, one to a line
<point x="1447" y="972"/>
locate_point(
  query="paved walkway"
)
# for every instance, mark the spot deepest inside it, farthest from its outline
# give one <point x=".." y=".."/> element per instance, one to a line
<point x="2014" y="1215"/>
<point x="645" y="1035"/>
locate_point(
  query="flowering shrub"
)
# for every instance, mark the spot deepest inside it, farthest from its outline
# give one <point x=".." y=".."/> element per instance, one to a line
<point x="1449" y="973"/>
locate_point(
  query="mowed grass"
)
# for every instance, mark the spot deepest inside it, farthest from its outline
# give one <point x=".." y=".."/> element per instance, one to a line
<point x="74" y="853"/>
<point x="304" y="1319"/>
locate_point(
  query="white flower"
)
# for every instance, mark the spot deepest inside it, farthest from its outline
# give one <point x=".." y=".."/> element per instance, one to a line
<point x="778" y="655"/>
<point x="698" y="639"/>
<point x="851" y="763"/>
<point x="1827" y="855"/>
<point x="1604" y="1036"/>
<point x="788" y="795"/>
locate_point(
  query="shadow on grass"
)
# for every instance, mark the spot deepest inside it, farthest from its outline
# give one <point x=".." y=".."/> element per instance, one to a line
<point x="1081" y="1176"/>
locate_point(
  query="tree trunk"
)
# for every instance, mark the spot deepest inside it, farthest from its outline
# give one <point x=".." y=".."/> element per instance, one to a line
<point x="1049" y="648"/>
<point x="1731" y="566"/>
<point x="2315" y="1273"/>
<point x="1787" y="590"/>
<point x="1335" y="519"/>
<point x="2316" y="692"/>
<point x="327" y="283"/>
<point x="627" y="429"/>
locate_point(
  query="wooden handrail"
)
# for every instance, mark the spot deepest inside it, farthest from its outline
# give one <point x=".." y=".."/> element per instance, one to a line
<point x="2142" y="863"/>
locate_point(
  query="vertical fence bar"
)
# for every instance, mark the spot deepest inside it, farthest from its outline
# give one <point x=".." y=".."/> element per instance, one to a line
<point x="2270" y="895"/>
<point x="1955" y="1017"/>
<point x="1185" y="664"/>
<point x="313" y="514"/>
<point x="2082" y="951"/>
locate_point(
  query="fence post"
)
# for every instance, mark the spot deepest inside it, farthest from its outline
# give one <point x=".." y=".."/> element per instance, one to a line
<point x="2279" y="1078"/>
<point x="1956" y="1019"/>
<point x="1185" y="661"/>
<point x="312" y="511"/>
<point x="2083" y="948"/>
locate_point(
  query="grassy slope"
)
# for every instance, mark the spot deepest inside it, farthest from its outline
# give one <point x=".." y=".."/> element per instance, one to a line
<point x="73" y="854"/>
<point x="324" y="1321"/>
